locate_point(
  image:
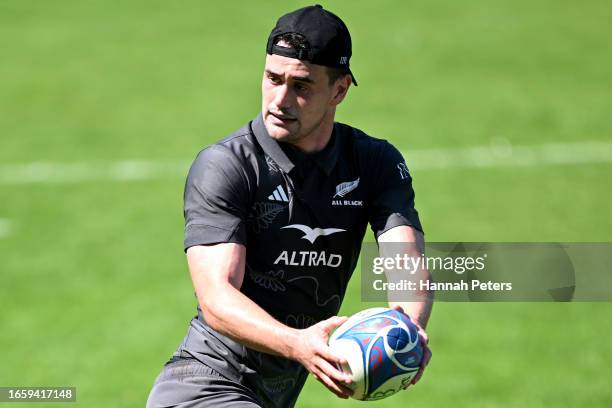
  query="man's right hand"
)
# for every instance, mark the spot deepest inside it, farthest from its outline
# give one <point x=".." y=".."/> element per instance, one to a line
<point x="313" y="353"/>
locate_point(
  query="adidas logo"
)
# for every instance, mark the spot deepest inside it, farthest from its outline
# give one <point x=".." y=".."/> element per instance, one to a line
<point x="278" y="195"/>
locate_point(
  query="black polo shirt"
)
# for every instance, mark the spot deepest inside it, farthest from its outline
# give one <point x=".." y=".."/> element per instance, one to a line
<point x="302" y="218"/>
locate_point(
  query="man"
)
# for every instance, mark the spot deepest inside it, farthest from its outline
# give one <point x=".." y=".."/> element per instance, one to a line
<point x="275" y="216"/>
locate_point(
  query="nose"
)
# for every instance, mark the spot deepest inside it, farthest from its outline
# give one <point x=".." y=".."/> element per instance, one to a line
<point x="281" y="97"/>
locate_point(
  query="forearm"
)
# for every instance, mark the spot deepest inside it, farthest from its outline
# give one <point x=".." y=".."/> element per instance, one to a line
<point x="217" y="273"/>
<point x="419" y="306"/>
<point x="407" y="241"/>
<point x="231" y="313"/>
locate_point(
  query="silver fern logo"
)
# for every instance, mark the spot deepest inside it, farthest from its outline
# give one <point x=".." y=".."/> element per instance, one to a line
<point x="343" y="189"/>
<point x="263" y="214"/>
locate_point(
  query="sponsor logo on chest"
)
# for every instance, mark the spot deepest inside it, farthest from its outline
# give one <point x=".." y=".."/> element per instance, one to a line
<point x="310" y="258"/>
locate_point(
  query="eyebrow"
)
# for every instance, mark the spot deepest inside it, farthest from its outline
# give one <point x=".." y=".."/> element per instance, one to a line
<point x="295" y="78"/>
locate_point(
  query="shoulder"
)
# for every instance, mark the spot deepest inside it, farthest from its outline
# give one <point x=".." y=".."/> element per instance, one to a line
<point x="234" y="156"/>
<point x="232" y="147"/>
<point x="237" y="149"/>
<point x="366" y="148"/>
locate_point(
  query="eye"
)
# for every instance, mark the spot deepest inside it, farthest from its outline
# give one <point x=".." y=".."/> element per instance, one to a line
<point x="273" y="79"/>
<point x="300" y="87"/>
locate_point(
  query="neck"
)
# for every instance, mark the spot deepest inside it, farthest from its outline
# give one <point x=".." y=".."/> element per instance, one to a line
<point x="316" y="140"/>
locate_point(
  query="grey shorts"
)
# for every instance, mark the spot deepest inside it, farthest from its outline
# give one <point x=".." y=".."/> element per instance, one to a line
<point x="187" y="383"/>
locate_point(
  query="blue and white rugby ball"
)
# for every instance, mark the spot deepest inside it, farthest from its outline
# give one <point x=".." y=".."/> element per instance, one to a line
<point x="383" y="351"/>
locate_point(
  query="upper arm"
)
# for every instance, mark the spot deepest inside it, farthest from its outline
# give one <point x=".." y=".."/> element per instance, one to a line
<point x="404" y="234"/>
<point x="214" y="266"/>
<point x="392" y="198"/>
<point x="401" y="240"/>
<point x="216" y="203"/>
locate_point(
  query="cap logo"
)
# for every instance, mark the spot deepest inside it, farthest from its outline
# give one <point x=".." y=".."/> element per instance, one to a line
<point x="343" y="60"/>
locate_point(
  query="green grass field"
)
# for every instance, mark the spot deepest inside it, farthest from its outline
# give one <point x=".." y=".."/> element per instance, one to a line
<point x="94" y="288"/>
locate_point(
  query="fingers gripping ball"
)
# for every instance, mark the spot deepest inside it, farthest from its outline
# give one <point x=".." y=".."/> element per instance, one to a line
<point x="383" y="351"/>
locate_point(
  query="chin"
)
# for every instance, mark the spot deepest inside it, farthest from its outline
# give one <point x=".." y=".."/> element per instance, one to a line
<point x="280" y="133"/>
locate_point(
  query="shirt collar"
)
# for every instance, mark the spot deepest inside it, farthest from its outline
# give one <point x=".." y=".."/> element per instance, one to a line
<point x="326" y="158"/>
<point x="269" y="145"/>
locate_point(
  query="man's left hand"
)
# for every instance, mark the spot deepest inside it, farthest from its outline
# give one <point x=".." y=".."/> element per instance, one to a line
<point x="424" y="343"/>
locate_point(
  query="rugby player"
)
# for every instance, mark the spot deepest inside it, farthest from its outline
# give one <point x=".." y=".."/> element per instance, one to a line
<point x="275" y="215"/>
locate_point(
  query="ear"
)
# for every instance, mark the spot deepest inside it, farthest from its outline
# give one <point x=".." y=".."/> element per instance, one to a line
<point x="340" y="90"/>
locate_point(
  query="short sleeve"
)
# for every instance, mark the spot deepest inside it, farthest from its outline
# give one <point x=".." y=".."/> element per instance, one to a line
<point x="392" y="199"/>
<point x="216" y="199"/>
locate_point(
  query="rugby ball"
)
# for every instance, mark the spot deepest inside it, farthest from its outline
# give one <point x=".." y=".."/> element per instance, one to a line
<point x="382" y="349"/>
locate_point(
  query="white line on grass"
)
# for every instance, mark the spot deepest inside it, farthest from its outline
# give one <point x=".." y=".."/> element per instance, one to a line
<point x="503" y="154"/>
<point x="124" y="170"/>
<point x="500" y="154"/>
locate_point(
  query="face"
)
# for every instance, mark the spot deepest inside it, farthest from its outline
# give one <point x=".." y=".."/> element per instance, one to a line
<point x="297" y="98"/>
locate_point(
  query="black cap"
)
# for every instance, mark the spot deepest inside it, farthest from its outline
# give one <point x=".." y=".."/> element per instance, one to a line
<point x="329" y="41"/>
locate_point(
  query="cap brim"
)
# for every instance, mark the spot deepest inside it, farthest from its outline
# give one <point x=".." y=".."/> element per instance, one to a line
<point x="353" y="77"/>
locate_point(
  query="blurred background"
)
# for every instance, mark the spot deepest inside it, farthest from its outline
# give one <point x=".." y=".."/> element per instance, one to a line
<point x="502" y="108"/>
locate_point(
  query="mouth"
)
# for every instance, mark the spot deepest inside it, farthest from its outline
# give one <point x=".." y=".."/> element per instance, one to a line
<point x="282" y="119"/>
